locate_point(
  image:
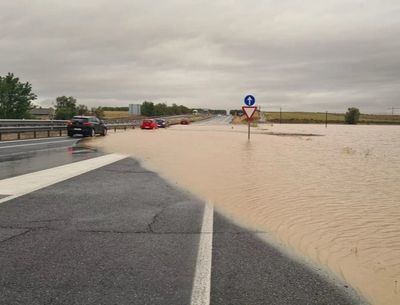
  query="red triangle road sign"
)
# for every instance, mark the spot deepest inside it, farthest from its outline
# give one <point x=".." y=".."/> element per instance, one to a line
<point x="249" y="111"/>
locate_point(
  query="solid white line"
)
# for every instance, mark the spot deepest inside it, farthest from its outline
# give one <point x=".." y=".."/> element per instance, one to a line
<point x="24" y="184"/>
<point x="202" y="277"/>
<point x="41" y="143"/>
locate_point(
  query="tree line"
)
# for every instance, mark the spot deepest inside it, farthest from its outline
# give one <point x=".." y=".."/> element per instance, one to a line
<point x="66" y="108"/>
<point x="107" y="108"/>
<point x="151" y="109"/>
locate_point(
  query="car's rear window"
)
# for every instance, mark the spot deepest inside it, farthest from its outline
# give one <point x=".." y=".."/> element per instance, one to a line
<point x="147" y="121"/>
<point x="80" y="120"/>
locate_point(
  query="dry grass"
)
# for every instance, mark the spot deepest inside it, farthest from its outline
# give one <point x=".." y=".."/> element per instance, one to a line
<point x="109" y="115"/>
<point x="319" y="117"/>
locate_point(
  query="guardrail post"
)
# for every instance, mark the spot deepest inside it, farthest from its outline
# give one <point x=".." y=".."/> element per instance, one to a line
<point x="0" y="136"/>
<point x="60" y="132"/>
<point x="18" y="135"/>
<point x="115" y="129"/>
<point x="125" y="127"/>
<point x="48" y="133"/>
<point x="34" y="134"/>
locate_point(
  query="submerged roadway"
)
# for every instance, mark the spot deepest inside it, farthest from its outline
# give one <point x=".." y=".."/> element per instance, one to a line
<point x="81" y="227"/>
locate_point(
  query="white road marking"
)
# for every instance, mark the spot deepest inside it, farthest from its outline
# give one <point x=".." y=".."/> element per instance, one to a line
<point x="24" y="184"/>
<point x="202" y="277"/>
<point x="41" y="143"/>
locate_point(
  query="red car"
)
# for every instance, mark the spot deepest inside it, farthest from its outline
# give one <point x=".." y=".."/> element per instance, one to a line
<point x="185" y="121"/>
<point x="148" y="124"/>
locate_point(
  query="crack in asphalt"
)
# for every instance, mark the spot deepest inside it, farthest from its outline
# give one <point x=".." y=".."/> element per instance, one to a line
<point x="48" y="220"/>
<point x="45" y="228"/>
<point x="14" y="236"/>
<point x="154" y="220"/>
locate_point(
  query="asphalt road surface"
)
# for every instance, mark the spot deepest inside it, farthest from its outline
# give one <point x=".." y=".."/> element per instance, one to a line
<point x="104" y="230"/>
<point x="216" y="120"/>
<point x="20" y="157"/>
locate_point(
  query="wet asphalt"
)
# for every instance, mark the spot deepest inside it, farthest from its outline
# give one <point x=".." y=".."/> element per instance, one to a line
<point x="123" y="235"/>
<point x="116" y="235"/>
<point x="22" y="157"/>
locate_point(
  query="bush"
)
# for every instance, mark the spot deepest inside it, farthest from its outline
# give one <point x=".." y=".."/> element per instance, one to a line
<point x="352" y="116"/>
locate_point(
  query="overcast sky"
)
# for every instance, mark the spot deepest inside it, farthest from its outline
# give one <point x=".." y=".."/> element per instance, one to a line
<point x="302" y="55"/>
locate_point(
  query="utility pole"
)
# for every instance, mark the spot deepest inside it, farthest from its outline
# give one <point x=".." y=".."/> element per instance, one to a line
<point x="326" y="119"/>
<point x="393" y="109"/>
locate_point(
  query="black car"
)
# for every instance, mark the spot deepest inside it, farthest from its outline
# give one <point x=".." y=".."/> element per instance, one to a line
<point x="161" y="123"/>
<point x="86" y="126"/>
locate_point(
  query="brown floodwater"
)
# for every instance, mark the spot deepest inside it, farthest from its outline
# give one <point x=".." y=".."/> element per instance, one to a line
<point x="333" y="199"/>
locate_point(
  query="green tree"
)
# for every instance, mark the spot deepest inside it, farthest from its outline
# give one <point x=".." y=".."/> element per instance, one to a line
<point x="235" y="112"/>
<point x="65" y="107"/>
<point x="184" y="109"/>
<point x="160" y="109"/>
<point x="147" y="108"/>
<point x="82" y="110"/>
<point x="15" y="98"/>
<point x="98" y="112"/>
<point x="352" y="116"/>
<point x="175" y="109"/>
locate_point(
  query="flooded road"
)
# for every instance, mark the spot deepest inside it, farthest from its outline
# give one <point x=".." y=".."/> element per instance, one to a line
<point x="26" y="156"/>
<point x="332" y="199"/>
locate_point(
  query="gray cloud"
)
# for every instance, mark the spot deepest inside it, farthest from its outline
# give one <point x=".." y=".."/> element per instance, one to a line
<point x="301" y="55"/>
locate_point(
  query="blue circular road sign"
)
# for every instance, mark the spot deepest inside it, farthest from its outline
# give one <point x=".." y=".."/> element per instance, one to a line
<point x="249" y="100"/>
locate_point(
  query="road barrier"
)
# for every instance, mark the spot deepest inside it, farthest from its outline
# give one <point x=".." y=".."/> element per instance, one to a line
<point x="20" y="123"/>
<point x="51" y="128"/>
<point x="18" y="130"/>
<point x="46" y="129"/>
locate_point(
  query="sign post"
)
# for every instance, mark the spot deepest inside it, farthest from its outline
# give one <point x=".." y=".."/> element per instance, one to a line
<point x="249" y="111"/>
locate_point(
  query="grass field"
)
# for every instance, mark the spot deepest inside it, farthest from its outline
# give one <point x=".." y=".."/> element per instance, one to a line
<point x="293" y="117"/>
<point x="109" y="115"/>
<point x="338" y="118"/>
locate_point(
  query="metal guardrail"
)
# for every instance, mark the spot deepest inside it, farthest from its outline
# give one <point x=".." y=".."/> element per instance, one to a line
<point x="33" y="129"/>
<point x="5" y="122"/>
<point x="22" y="122"/>
<point x="49" y="127"/>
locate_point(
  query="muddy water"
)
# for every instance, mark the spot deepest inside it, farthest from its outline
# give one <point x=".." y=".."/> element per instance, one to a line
<point x="334" y="199"/>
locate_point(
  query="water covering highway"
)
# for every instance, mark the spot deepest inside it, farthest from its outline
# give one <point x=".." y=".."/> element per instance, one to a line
<point x="20" y="157"/>
<point x="80" y="226"/>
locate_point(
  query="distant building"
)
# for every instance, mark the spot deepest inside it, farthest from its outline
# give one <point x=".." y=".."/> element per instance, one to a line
<point x="42" y="113"/>
<point x="134" y="109"/>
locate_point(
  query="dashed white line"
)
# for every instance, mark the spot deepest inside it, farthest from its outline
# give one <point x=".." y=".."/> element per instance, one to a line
<point x="202" y="278"/>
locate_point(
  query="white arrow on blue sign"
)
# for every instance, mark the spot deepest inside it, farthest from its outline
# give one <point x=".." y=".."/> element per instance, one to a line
<point x="249" y="100"/>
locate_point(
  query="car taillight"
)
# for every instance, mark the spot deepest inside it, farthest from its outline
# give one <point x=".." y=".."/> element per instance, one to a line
<point x="87" y="124"/>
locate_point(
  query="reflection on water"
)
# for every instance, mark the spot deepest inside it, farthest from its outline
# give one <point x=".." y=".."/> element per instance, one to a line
<point x="30" y="161"/>
<point x="332" y="198"/>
